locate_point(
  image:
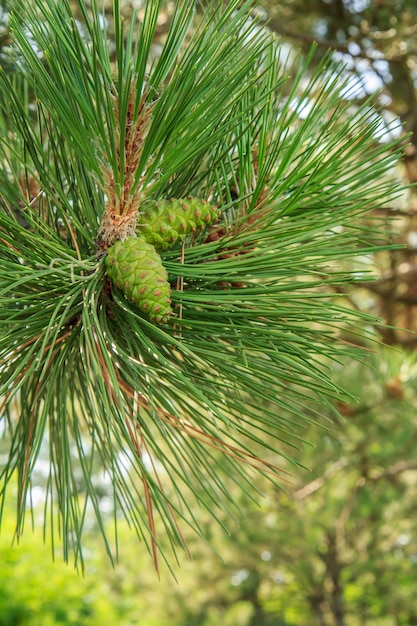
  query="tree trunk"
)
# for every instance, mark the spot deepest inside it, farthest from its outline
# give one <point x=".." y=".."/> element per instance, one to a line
<point x="334" y="568"/>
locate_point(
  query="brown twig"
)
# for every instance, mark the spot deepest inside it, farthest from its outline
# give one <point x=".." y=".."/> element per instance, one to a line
<point x="319" y="482"/>
<point x="122" y="191"/>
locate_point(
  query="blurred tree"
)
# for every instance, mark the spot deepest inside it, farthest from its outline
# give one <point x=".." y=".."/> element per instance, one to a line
<point x="377" y="39"/>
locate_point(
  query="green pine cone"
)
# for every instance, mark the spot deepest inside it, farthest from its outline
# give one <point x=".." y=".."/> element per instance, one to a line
<point x="166" y="221"/>
<point x="136" y="268"/>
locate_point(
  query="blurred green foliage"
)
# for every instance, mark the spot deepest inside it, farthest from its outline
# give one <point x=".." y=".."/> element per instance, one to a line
<point x="36" y="591"/>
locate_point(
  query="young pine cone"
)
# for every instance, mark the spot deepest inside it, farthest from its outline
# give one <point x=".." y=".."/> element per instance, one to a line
<point x="136" y="268"/>
<point x="166" y="221"/>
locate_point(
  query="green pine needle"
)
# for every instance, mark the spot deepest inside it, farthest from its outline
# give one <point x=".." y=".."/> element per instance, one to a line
<point x="86" y="379"/>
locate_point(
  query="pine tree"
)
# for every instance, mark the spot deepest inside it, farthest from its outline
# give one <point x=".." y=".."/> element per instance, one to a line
<point x="271" y="166"/>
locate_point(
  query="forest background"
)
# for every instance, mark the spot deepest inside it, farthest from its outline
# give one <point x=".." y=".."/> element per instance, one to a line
<point x="340" y="547"/>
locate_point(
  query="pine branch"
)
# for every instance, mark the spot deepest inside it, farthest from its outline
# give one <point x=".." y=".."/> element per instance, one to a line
<point x="217" y="390"/>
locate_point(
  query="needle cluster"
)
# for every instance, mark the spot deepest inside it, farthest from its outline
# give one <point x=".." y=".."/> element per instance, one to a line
<point x="88" y="382"/>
